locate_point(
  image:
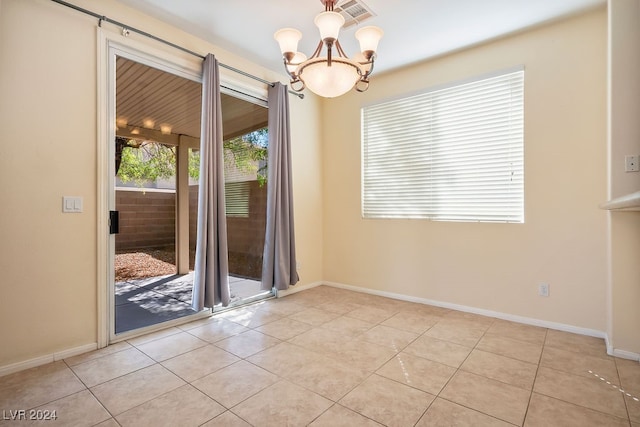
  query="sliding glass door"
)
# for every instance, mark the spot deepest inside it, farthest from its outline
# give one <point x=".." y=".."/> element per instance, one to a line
<point x="153" y="193"/>
<point x="157" y="122"/>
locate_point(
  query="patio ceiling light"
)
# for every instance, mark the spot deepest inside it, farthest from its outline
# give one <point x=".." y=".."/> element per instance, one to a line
<point x="121" y="122"/>
<point x="329" y="76"/>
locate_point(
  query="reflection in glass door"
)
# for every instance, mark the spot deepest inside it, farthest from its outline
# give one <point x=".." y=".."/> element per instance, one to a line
<point x="246" y="201"/>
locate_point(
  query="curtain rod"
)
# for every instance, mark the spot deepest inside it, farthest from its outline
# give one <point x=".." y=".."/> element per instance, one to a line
<point x="168" y="43"/>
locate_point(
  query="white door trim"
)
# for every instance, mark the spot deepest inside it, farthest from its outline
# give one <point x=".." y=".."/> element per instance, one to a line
<point x="111" y="44"/>
<point x="159" y="56"/>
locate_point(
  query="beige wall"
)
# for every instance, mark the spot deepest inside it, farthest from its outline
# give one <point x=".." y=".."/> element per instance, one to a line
<point x="624" y="87"/>
<point x="48" y="260"/>
<point x="492" y="266"/>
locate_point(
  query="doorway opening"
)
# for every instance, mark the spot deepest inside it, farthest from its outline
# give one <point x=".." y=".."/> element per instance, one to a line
<point x="155" y="192"/>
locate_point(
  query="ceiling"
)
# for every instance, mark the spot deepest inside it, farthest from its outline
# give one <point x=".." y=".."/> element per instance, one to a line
<point x="155" y="105"/>
<point x="415" y="30"/>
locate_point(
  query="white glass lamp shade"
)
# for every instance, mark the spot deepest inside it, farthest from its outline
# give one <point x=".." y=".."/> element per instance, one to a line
<point x="329" y="82"/>
<point x="329" y="24"/>
<point x="288" y="39"/>
<point x="369" y="38"/>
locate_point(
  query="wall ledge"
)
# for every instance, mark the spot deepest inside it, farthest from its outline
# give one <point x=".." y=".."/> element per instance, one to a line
<point x="628" y="202"/>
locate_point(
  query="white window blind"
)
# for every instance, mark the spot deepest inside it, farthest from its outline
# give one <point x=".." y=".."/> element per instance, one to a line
<point x="454" y="154"/>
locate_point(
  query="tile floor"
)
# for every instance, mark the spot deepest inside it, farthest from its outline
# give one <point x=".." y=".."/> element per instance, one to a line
<point x="145" y="302"/>
<point x="330" y="357"/>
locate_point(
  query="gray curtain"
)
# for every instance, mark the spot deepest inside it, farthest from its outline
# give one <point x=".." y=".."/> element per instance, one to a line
<point x="279" y="260"/>
<point x="211" y="275"/>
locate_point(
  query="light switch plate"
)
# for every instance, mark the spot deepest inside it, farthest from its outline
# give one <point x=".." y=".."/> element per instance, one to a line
<point x="71" y="204"/>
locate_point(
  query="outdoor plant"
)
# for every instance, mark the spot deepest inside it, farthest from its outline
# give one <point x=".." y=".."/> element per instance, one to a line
<point x="144" y="161"/>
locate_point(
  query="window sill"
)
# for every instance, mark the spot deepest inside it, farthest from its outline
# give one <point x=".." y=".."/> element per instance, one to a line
<point x="628" y="202"/>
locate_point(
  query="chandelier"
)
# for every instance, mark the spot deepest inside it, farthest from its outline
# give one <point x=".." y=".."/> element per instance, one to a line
<point x="334" y="74"/>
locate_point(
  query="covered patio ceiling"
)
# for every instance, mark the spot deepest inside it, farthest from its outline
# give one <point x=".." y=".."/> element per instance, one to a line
<point x="155" y="105"/>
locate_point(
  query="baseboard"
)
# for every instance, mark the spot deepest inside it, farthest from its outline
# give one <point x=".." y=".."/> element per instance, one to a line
<point x="499" y="315"/>
<point x="43" y="360"/>
<point x="75" y="351"/>
<point x="624" y="354"/>
<point x="607" y="342"/>
<point x="298" y="288"/>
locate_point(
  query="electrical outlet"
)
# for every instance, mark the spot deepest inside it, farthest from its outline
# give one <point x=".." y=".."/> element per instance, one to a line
<point x="543" y="289"/>
<point x="631" y="164"/>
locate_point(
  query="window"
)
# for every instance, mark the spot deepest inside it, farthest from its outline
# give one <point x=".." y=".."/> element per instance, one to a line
<point x="236" y="197"/>
<point x="452" y="154"/>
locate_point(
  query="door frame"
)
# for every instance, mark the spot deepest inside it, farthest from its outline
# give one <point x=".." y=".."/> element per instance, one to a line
<point x="160" y="56"/>
<point x="111" y="45"/>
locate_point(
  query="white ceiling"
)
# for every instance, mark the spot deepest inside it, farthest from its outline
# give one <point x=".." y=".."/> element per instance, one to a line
<point x="415" y="30"/>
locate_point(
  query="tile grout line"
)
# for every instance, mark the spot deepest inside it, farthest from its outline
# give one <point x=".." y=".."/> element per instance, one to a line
<point x="334" y="402"/>
<point x="573" y="403"/>
<point x="371" y="373"/>
<point x="459" y="369"/>
<point x="535" y="378"/>
<point x="220" y="403"/>
<point x="443" y="386"/>
<point x="359" y="335"/>
<point x="571" y="374"/>
<point x="91" y="392"/>
<point x="626" y="407"/>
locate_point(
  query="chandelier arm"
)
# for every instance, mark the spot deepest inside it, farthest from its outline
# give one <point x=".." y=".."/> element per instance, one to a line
<point x="297" y="80"/>
<point x="316" y="53"/>
<point x="364" y="89"/>
<point x="368" y="73"/>
<point x="339" y="49"/>
<point x="286" y="64"/>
